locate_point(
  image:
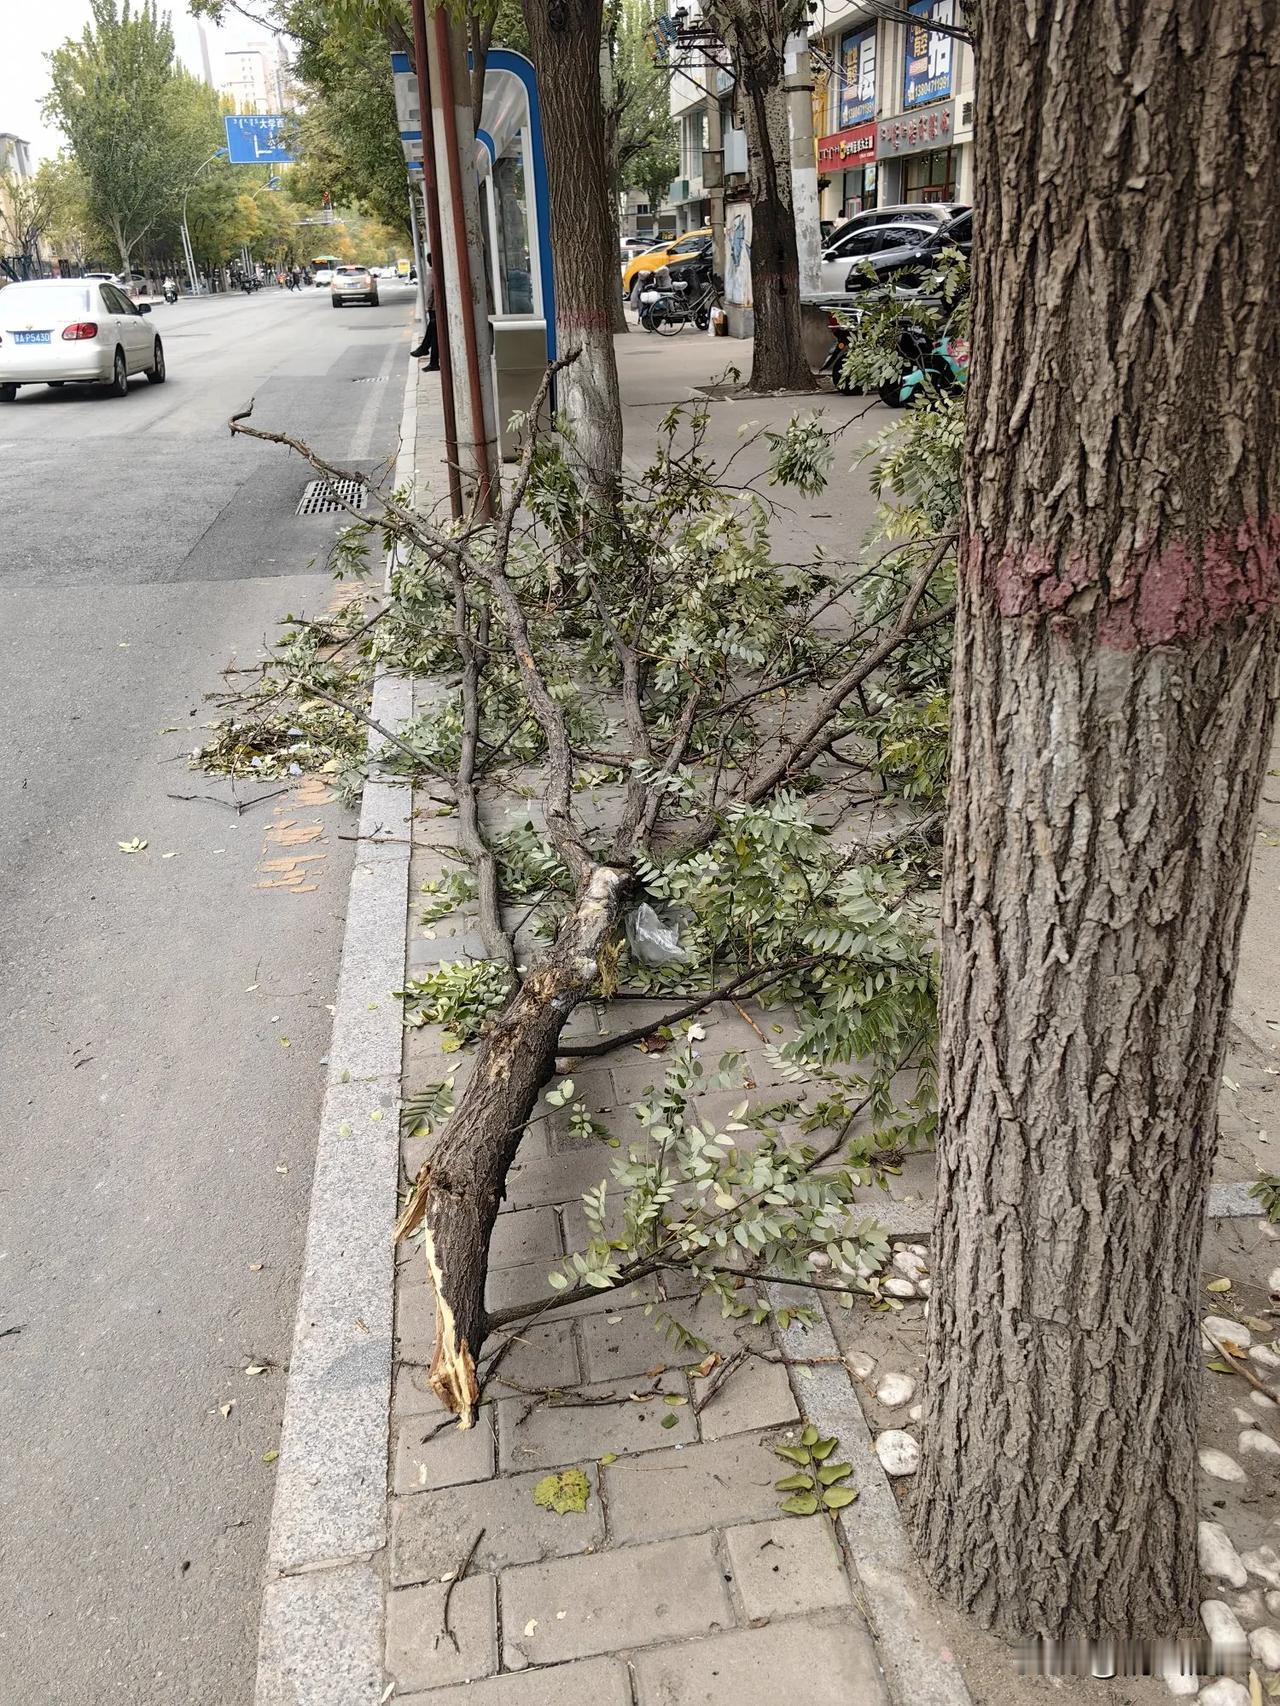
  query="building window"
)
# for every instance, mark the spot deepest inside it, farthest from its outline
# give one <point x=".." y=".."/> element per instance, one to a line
<point x="930" y="177"/>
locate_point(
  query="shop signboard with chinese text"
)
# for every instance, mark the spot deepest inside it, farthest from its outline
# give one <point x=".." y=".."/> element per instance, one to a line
<point x="857" y="101"/>
<point x="910" y="132"/>
<point x="927" y="65"/>
<point x="847" y="148"/>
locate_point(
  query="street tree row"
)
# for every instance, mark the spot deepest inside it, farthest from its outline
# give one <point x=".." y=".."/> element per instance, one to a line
<point x="1093" y="528"/>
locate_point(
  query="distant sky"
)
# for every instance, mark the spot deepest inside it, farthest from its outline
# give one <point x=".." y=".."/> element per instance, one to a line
<point x="32" y="28"/>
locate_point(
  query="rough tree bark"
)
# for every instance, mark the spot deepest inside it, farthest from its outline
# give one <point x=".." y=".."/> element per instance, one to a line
<point x="564" y="39"/>
<point x="1116" y="654"/>
<point x="756" y="32"/>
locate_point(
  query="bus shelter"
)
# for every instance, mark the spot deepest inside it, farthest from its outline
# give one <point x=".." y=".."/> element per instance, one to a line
<point x="515" y="207"/>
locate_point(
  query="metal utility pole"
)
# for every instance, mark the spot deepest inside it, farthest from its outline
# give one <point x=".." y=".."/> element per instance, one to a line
<point x="476" y="379"/>
<point x="431" y="196"/>
<point x="187" y="252"/>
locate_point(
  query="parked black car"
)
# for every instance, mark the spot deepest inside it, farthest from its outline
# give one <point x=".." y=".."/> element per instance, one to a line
<point x="904" y="254"/>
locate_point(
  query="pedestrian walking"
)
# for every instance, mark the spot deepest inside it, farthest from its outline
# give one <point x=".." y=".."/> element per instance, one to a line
<point x="430" y="345"/>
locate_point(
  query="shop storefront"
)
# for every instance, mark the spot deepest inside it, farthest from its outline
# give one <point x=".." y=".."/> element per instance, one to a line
<point x="847" y="160"/>
<point x="921" y="139"/>
<point x="920" y="153"/>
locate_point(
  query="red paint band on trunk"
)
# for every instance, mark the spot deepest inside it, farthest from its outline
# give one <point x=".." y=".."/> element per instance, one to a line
<point x="1165" y="595"/>
<point x="584" y="320"/>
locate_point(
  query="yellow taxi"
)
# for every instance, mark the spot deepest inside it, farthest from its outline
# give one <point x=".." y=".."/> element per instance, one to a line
<point x="674" y="249"/>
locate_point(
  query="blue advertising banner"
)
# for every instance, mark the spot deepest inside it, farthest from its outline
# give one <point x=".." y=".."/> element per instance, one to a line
<point x="857" y="103"/>
<point x="926" y="68"/>
<point x="257" y="139"/>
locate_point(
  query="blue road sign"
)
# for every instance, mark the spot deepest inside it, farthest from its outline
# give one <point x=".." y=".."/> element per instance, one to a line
<point x="257" y="139"/>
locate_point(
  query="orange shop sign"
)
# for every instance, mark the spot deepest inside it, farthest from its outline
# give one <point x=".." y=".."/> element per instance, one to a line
<point x="857" y="145"/>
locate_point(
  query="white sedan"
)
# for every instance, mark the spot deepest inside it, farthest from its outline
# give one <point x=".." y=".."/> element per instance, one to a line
<point x="66" y="331"/>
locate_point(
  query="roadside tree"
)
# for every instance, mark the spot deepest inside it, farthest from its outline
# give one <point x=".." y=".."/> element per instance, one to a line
<point x="1114" y="696"/>
<point x="565" y="38"/>
<point x="756" y="34"/>
<point x="127" y="112"/>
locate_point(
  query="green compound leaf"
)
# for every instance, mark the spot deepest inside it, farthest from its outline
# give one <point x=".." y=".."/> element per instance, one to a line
<point x="792" y="1453"/>
<point x="835" y="1498"/>
<point x="802" y="1504"/>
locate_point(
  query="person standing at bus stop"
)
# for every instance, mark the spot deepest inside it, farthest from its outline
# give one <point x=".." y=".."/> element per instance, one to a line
<point x="430" y="345"/>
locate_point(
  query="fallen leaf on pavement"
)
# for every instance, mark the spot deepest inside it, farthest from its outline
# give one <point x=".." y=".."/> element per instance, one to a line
<point x="564" y="1493"/>
<point x="135" y="846"/>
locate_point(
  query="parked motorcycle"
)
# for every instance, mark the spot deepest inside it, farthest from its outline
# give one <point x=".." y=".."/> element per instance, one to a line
<point x="937" y="364"/>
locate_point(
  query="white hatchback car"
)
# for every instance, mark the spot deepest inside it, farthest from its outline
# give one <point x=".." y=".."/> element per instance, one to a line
<point x="65" y="331"/>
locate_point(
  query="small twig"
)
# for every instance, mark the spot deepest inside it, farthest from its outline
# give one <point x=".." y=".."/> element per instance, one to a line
<point x="448" y="1592"/>
<point x="239" y="807"/>
<point x="717" y="1380"/>
<point x="1240" y="1368"/>
<point x="11" y="1332"/>
<point x="750" y="1021"/>
<point x="757" y="978"/>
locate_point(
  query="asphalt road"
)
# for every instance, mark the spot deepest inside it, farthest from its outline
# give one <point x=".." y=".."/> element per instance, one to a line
<point x="157" y="1132"/>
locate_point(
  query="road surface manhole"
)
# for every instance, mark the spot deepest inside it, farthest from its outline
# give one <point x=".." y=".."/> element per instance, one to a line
<point x="322" y="496"/>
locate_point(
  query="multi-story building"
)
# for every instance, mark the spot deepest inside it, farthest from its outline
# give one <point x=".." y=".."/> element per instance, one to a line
<point x="15" y="156"/>
<point x="690" y="101"/>
<point x="640" y="218"/>
<point x="257" y="79"/>
<point x="896" y="107"/>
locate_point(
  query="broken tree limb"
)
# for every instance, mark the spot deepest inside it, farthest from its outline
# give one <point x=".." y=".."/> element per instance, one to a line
<point x="457" y="1194"/>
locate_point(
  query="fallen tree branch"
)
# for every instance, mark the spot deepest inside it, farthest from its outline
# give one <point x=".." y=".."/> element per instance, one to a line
<point x="312" y="691"/>
<point x="459" y="1190"/>
<point x="756" y="978"/>
<point x="498" y="943"/>
<point x="800" y="752"/>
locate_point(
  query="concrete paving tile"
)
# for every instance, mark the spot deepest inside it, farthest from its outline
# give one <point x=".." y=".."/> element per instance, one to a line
<point x="544" y="1355"/>
<point x="663" y="1494"/>
<point x="756" y="1395"/>
<point x="751" y="1667"/>
<point x="550" y="1436"/>
<point x="422" y="1458"/>
<point x="525" y="1235"/>
<point x="586" y="1682"/>
<point x="533" y="1182"/>
<point x="429" y="1532"/>
<point x="788" y="1566"/>
<point x="415" y="1617"/>
<point x="575" y="1607"/>
<point x="628" y="1341"/>
<point x="508" y="1287"/>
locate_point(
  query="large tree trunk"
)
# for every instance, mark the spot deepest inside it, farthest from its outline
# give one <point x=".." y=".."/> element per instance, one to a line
<point x="778" y="360"/>
<point x="564" y="38"/>
<point x="1116" y="654"/>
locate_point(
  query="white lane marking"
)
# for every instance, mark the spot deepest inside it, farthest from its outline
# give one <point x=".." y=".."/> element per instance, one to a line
<point x="362" y="437"/>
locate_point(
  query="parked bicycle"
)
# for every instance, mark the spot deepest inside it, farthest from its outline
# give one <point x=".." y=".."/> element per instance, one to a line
<point x="668" y="304"/>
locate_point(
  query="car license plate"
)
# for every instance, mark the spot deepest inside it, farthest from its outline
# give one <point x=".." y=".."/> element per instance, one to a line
<point x="31" y="337"/>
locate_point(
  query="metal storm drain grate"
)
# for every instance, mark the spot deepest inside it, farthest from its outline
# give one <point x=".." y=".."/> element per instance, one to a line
<point x="371" y="379"/>
<point x="320" y="497"/>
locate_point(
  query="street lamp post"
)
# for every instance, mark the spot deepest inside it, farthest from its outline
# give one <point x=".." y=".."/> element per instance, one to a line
<point x="188" y="254"/>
